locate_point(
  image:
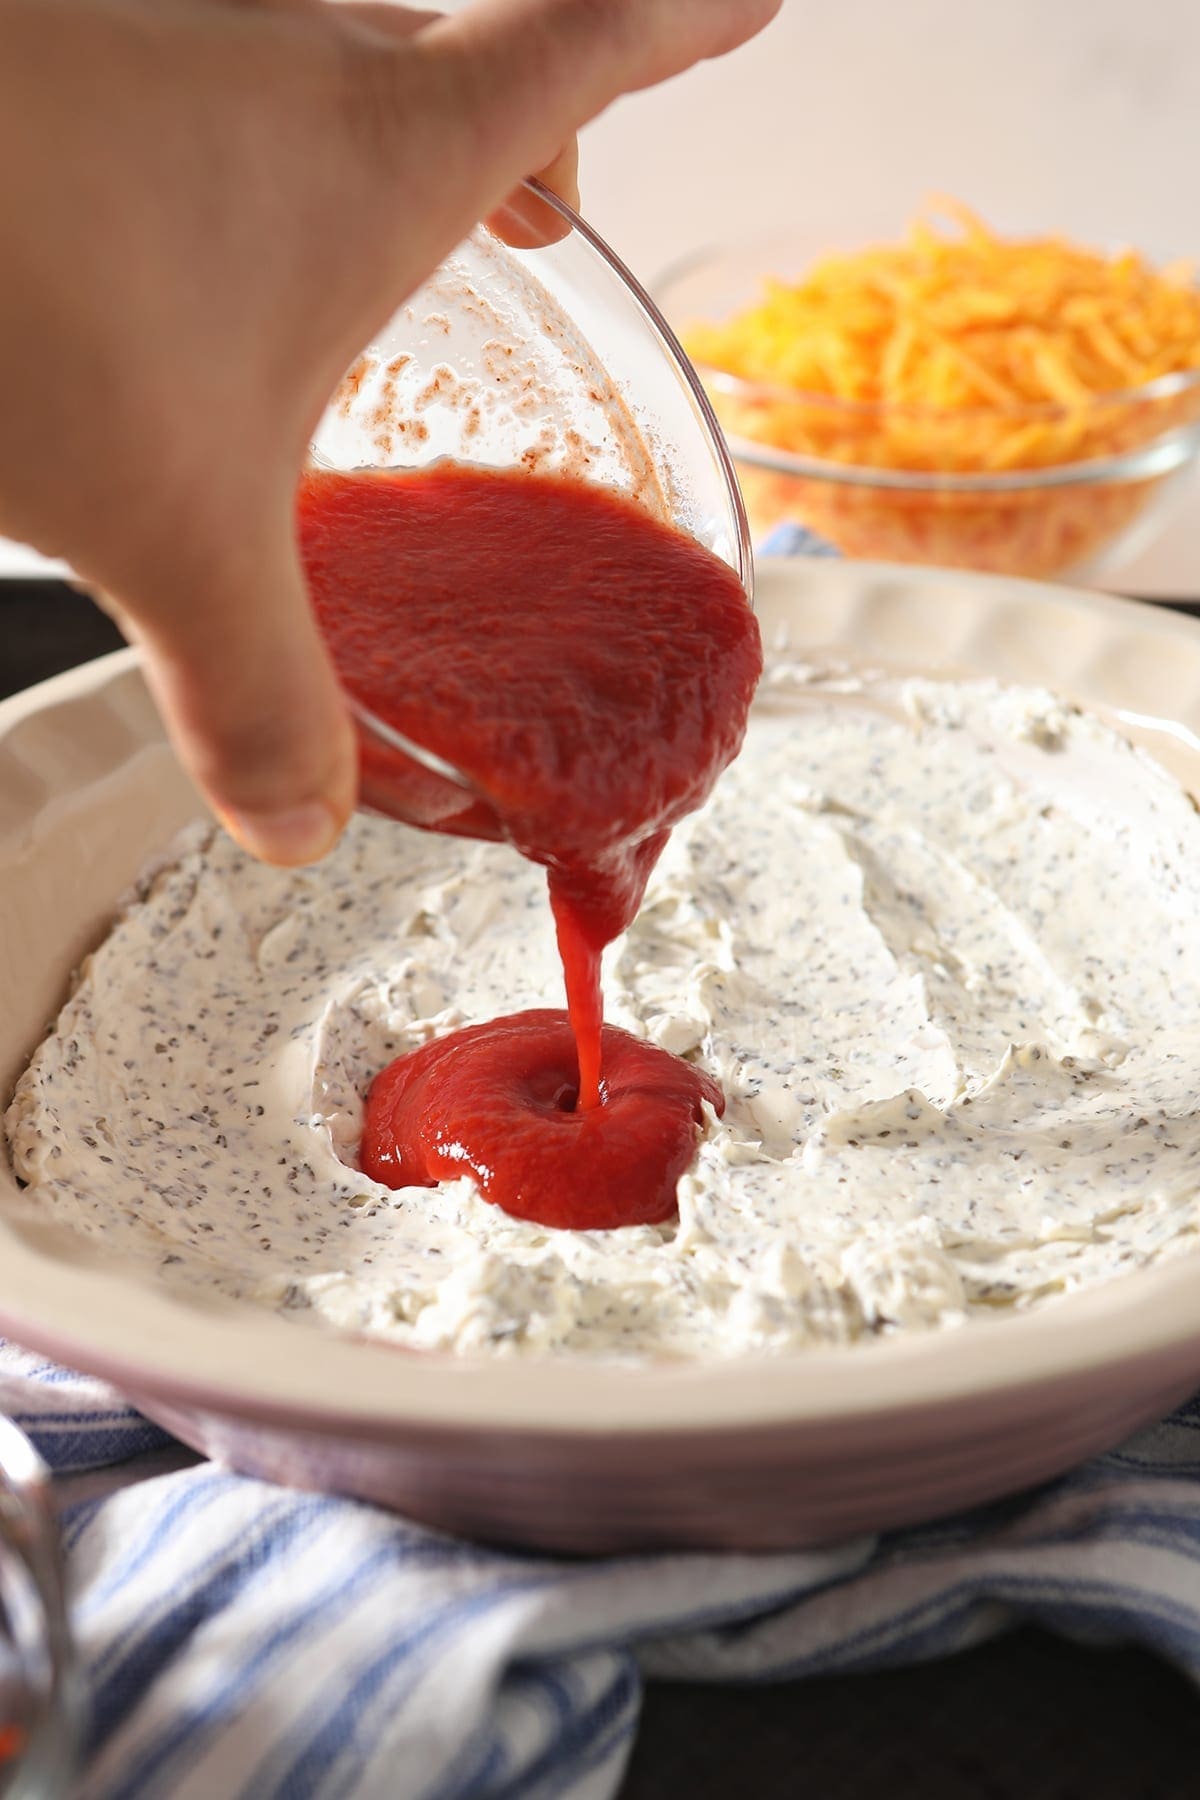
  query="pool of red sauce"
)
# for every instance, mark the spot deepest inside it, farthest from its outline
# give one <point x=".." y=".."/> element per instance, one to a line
<point x="589" y="671"/>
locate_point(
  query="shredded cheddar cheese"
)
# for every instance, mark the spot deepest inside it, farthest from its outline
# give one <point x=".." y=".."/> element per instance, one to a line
<point x="960" y="352"/>
<point x="962" y="322"/>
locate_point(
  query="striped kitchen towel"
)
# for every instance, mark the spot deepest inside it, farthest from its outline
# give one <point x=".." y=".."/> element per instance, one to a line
<point x="248" y="1643"/>
<point x="795" y="540"/>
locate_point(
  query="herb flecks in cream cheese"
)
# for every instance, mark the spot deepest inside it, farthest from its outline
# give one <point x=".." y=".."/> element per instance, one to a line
<point x="938" y="942"/>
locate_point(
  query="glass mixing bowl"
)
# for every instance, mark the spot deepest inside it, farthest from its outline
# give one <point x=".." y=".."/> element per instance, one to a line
<point x="900" y="483"/>
<point x="531" y="347"/>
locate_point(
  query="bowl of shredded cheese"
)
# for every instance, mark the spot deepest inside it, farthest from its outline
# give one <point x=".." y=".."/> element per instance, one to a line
<point x="1020" y="405"/>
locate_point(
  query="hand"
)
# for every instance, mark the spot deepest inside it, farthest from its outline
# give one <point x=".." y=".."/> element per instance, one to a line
<point x="210" y="206"/>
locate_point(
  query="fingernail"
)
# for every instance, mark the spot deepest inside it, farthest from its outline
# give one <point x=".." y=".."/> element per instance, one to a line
<point x="295" y="834"/>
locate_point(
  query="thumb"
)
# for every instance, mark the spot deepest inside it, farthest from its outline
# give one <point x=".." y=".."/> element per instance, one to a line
<point x="536" y="70"/>
<point x="235" y="661"/>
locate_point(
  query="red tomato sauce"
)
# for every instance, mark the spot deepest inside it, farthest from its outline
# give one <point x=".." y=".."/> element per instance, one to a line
<point x="589" y="671"/>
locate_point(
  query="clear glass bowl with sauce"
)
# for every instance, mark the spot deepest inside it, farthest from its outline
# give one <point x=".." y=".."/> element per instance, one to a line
<point x="536" y="350"/>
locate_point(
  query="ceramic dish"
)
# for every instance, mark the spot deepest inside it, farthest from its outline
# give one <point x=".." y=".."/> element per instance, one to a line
<point x="789" y="1451"/>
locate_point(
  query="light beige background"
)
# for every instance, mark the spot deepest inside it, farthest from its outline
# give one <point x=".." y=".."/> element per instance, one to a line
<point x="1080" y="114"/>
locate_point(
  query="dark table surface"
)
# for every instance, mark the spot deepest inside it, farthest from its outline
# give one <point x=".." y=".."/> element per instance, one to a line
<point x="1025" y="1717"/>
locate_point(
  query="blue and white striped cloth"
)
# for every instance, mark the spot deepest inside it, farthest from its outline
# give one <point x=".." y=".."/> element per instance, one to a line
<point x="796" y="540"/>
<point x="248" y="1643"/>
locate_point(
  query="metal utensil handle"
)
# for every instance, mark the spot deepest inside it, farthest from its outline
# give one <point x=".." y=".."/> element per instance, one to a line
<point x="29" y="1534"/>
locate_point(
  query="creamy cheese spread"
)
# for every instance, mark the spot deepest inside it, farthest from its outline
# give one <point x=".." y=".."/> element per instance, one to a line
<point x="939" y="943"/>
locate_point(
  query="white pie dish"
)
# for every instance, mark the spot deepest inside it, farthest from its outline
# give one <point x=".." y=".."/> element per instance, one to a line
<point x="773" y="1452"/>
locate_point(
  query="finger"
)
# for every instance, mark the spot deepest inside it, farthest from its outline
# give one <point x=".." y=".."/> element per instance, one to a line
<point x="251" y="701"/>
<point x="523" y="221"/>
<point x="542" y="68"/>
<point x="496" y="89"/>
<point x="385" y="20"/>
<point x="562" y="175"/>
<point x="526" y="221"/>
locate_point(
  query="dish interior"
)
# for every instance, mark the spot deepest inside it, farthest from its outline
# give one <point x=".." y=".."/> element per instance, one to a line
<point x="123" y="795"/>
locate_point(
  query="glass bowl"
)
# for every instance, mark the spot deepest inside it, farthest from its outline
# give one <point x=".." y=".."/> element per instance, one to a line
<point x="531" y="347"/>
<point x="1077" y="490"/>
